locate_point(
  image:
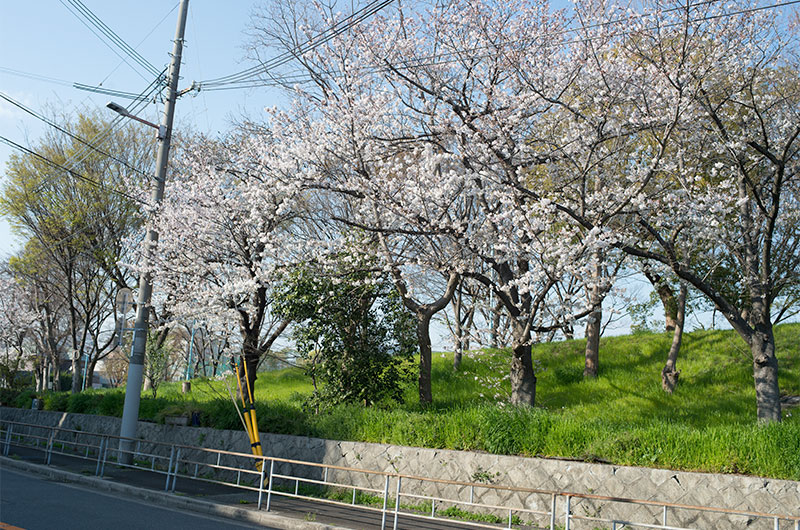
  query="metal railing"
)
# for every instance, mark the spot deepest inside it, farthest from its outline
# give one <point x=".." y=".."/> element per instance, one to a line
<point x="270" y="476"/>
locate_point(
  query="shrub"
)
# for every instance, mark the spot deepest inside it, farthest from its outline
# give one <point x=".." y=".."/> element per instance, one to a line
<point x="354" y="335"/>
<point x="24" y="399"/>
<point x="8" y="396"/>
<point x="112" y="403"/>
<point x="57" y="401"/>
<point x="86" y="402"/>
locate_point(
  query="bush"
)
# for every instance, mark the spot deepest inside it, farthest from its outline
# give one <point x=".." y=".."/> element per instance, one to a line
<point x="57" y="401"/>
<point x="65" y="380"/>
<point x="86" y="402"/>
<point x="354" y="335"/>
<point x="8" y="396"/>
<point x="112" y="403"/>
<point x="24" y="399"/>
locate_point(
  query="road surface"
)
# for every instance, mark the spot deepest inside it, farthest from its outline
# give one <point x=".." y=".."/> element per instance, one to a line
<point x="34" y="503"/>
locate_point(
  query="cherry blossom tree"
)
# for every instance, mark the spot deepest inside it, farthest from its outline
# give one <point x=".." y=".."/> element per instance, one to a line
<point x="535" y="144"/>
<point x="708" y="158"/>
<point x="18" y="320"/>
<point x="433" y="145"/>
<point x="225" y="231"/>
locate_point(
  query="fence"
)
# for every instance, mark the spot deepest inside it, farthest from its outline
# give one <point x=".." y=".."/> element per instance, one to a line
<point x="391" y="495"/>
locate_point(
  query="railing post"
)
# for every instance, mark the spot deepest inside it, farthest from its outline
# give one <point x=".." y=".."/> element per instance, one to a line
<point x="567" y="513"/>
<point x="50" y="446"/>
<point x="471" y="494"/>
<point x="169" y="467"/>
<point x="664" y="517"/>
<point x="553" y="511"/>
<point x="777" y="524"/>
<point x="509" y="518"/>
<point x="99" y="455"/>
<point x="397" y="502"/>
<point x="269" y="488"/>
<point x="261" y="481"/>
<point x="385" y="499"/>
<point x="175" y="473"/>
<point x="797" y="524"/>
<point x="105" y="458"/>
<point x="8" y="439"/>
<point x="325" y="476"/>
<point x="433" y="508"/>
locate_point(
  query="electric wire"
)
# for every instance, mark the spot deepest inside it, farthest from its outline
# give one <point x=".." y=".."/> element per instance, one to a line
<point x="102" y="135"/>
<point x="71" y="172"/>
<point x="109" y="92"/>
<point x="83" y="153"/>
<point x="145" y="96"/>
<point x="99" y="88"/>
<point x="100" y="138"/>
<point x="71" y="135"/>
<point x="87" y="17"/>
<point x="340" y="27"/>
<point x="445" y="58"/>
<point x="288" y="55"/>
<point x="37" y="77"/>
<point x="152" y="30"/>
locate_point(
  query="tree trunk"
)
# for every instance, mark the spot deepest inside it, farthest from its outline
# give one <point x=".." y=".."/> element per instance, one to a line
<point x="90" y="373"/>
<point x="424" y="339"/>
<point x="591" y="363"/>
<point x="667" y="297"/>
<point x="466" y="327"/>
<point x="495" y="329"/>
<point x="765" y="374"/>
<point x="250" y="357"/>
<point x="76" y="373"/>
<point x="669" y="374"/>
<point x="523" y="379"/>
<point x="458" y="332"/>
<point x="55" y="373"/>
<point x="39" y="376"/>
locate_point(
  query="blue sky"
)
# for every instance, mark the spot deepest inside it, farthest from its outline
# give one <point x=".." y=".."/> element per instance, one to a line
<point x="44" y="38"/>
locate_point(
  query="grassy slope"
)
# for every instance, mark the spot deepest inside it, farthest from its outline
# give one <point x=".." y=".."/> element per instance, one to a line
<point x="622" y="417"/>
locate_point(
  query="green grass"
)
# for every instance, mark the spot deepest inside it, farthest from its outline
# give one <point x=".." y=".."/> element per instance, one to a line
<point x="623" y="417"/>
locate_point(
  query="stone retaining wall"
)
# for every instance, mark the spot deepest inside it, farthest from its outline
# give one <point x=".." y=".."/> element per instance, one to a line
<point x="705" y="489"/>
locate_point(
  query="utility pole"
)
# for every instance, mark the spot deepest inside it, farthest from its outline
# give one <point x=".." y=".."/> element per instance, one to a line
<point x="133" y="391"/>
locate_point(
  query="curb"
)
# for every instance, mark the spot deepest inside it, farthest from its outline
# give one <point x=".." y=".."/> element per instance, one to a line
<point x="169" y="500"/>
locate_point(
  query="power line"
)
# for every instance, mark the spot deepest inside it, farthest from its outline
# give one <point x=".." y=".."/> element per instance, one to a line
<point x="70" y="172"/>
<point x="174" y="7"/>
<point x="449" y="57"/>
<point x="109" y="92"/>
<point x="101" y="136"/>
<point x="341" y="26"/>
<point x="71" y="135"/>
<point x="37" y="77"/>
<point x="107" y="35"/>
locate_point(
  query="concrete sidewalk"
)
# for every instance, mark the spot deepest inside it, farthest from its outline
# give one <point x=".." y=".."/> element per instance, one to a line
<point x="200" y="497"/>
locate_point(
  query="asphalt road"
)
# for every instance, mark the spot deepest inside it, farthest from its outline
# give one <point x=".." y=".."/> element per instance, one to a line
<point x="34" y="503"/>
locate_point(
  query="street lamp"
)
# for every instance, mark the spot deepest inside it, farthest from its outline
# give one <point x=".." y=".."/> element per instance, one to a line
<point x="122" y="111"/>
